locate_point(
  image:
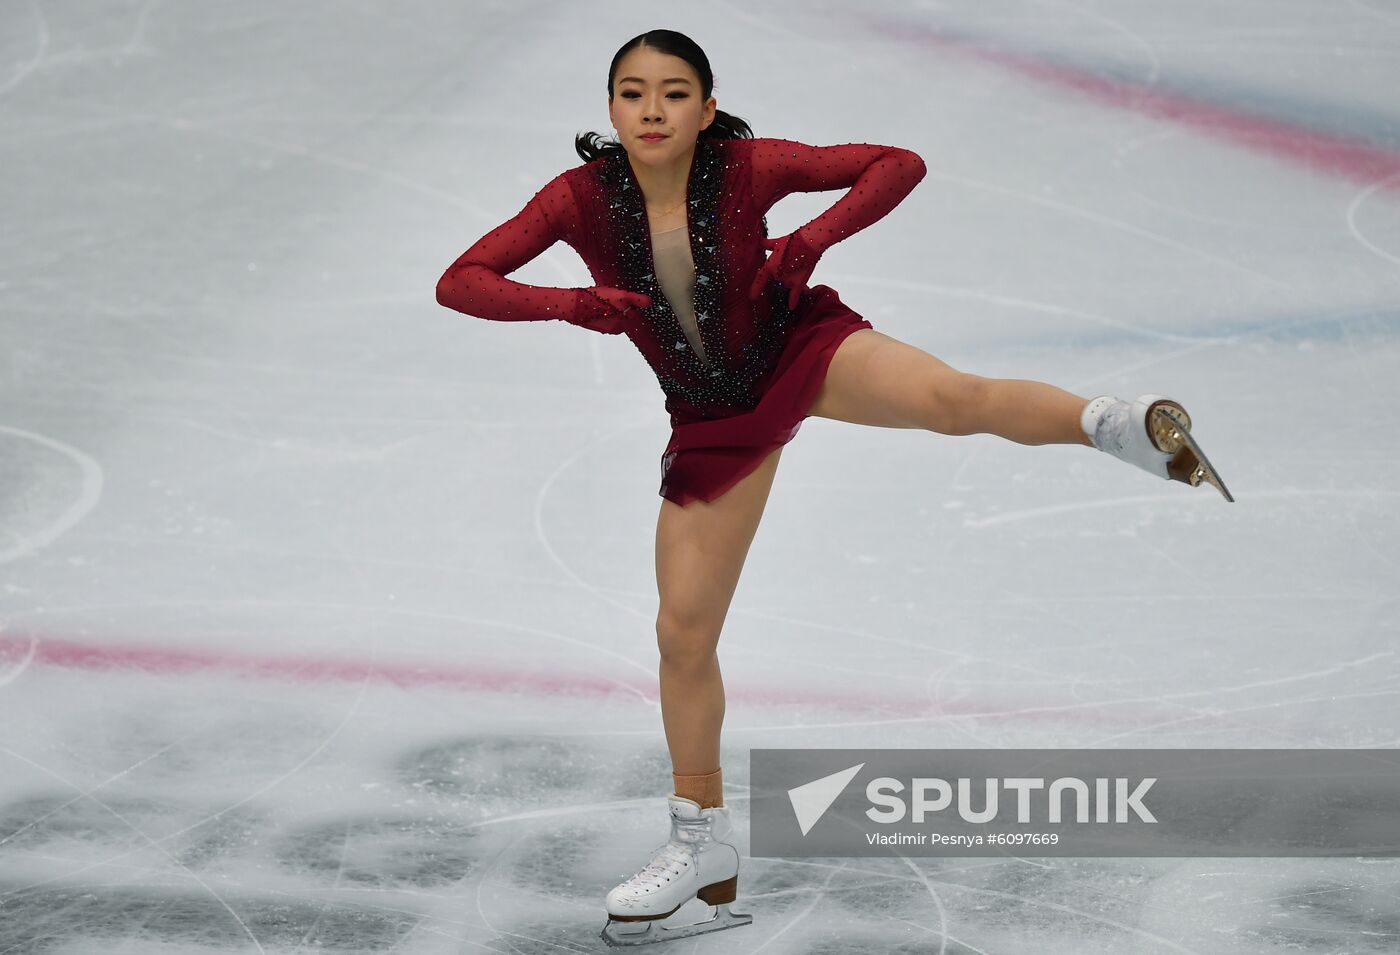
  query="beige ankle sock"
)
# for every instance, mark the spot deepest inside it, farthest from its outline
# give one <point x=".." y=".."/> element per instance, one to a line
<point x="707" y="788"/>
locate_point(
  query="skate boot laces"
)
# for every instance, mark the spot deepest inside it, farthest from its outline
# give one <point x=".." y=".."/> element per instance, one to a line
<point x="687" y="836"/>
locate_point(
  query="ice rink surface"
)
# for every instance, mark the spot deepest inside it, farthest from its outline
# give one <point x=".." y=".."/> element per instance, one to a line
<point x="328" y="612"/>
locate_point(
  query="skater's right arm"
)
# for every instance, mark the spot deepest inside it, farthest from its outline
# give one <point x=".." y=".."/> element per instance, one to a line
<point x="476" y="283"/>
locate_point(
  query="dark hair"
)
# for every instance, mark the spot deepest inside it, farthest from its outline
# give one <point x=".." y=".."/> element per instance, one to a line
<point x="724" y="126"/>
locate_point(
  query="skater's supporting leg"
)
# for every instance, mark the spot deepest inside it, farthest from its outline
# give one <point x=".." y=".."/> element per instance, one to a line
<point x="692" y="705"/>
<point x="700" y="550"/>
<point x="874" y="379"/>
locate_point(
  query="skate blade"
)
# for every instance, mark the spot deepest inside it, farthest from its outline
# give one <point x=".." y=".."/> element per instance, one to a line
<point x="1171" y="431"/>
<point x="651" y="932"/>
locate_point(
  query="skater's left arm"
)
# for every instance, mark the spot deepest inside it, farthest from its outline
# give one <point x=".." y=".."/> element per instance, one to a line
<point x="877" y="179"/>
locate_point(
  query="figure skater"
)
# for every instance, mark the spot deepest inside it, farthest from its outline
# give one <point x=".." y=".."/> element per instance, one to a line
<point x="670" y="220"/>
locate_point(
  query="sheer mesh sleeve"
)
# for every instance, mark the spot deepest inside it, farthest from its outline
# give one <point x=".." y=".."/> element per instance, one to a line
<point x="476" y="282"/>
<point x="878" y="177"/>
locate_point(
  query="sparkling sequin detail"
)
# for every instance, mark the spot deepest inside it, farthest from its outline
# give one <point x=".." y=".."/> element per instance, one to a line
<point x="724" y="383"/>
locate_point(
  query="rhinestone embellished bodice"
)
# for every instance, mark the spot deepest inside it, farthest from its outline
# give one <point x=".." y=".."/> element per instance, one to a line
<point x="722" y="382"/>
<point x="711" y="346"/>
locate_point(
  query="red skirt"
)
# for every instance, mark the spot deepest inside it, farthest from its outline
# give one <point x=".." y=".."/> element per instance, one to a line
<point x="704" y="459"/>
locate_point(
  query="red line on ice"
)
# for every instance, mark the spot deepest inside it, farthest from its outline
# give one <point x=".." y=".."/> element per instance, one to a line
<point x="164" y="660"/>
<point x="1303" y="145"/>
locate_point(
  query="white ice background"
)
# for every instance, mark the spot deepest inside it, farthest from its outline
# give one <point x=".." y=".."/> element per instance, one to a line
<point x="326" y="613"/>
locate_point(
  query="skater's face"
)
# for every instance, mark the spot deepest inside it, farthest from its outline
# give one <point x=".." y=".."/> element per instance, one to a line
<point x="656" y="92"/>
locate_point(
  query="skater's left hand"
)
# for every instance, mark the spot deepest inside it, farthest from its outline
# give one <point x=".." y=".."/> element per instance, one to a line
<point x="791" y="264"/>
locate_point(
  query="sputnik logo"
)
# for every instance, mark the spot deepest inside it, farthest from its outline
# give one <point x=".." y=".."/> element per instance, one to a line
<point x="810" y="801"/>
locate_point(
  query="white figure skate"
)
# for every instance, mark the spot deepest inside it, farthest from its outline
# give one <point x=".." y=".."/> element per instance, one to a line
<point x="697" y="862"/>
<point x="1152" y="433"/>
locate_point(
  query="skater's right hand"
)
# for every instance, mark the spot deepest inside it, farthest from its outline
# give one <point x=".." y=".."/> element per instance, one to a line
<point x="609" y="310"/>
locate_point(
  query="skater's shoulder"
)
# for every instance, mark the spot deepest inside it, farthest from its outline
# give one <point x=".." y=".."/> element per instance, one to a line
<point x="567" y="184"/>
<point x="770" y="152"/>
<point x="580" y="169"/>
<point x="772" y="143"/>
<point x="733" y="145"/>
<point x="590" y="170"/>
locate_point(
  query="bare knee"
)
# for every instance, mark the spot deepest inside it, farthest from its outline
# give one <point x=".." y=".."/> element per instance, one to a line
<point x="956" y="404"/>
<point x="686" y="641"/>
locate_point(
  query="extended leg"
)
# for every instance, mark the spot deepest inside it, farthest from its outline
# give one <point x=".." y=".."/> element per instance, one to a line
<point x="878" y="380"/>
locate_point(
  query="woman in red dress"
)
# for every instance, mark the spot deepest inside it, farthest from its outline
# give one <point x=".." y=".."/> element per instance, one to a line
<point x="670" y="222"/>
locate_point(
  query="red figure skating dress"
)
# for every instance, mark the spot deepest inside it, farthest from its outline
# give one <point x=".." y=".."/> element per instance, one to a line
<point x="739" y="374"/>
